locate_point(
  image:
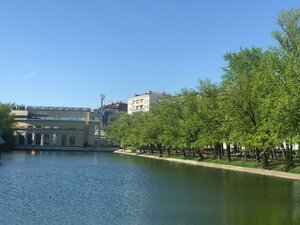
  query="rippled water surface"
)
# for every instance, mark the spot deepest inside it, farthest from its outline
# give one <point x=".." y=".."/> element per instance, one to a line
<point x="105" y="188"/>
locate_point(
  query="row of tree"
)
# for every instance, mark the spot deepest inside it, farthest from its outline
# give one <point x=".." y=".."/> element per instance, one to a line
<point x="254" y="110"/>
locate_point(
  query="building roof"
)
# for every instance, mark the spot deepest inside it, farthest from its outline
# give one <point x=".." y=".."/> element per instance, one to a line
<point x="52" y="108"/>
<point x="149" y="93"/>
<point x="118" y="106"/>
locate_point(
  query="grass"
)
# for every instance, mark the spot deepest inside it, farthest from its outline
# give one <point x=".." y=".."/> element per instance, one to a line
<point x="277" y="165"/>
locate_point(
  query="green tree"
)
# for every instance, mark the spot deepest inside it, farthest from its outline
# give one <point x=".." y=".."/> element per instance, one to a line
<point x="287" y="109"/>
<point x="6" y="124"/>
<point x="211" y="117"/>
<point x="119" y="130"/>
<point x="243" y="97"/>
<point x="289" y="34"/>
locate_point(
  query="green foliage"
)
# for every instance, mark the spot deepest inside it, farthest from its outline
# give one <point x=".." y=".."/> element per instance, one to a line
<point x="6" y="123"/>
<point x="289" y="34"/>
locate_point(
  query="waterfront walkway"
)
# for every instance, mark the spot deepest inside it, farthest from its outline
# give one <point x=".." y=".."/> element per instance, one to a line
<point x="218" y="166"/>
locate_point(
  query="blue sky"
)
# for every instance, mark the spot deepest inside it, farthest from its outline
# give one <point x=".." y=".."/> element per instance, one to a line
<point x="66" y="52"/>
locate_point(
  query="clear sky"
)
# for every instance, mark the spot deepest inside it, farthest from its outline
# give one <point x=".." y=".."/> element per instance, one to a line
<point x="68" y="52"/>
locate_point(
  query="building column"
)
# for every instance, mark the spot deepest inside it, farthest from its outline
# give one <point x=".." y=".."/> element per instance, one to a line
<point x="17" y="138"/>
<point x="51" y="139"/>
<point x="67" y="140"/>
<point x="42" y="139"/>
<point x="25" y="136"/>
<point x="33" y="138"/>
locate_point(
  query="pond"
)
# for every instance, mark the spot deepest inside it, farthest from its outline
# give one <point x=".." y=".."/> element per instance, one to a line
<point x="106" y="188"/>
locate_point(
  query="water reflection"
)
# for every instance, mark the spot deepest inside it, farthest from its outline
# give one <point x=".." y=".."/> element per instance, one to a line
<point x="102" y="188"/>
<point x="258" y="200"/>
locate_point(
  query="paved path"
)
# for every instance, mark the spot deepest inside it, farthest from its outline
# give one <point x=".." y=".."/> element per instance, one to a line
<point x="219" y="166"/>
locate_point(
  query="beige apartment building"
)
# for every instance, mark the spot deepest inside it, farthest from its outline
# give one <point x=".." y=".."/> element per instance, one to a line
<point x="51" y="127"/>
<point x="142" y="103"/>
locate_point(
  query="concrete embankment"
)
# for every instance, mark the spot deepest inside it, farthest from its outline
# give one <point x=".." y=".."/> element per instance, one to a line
<point x="218" y="166"/>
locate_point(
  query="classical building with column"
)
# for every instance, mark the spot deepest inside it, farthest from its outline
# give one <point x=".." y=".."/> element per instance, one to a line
<point x="51" y="127"/>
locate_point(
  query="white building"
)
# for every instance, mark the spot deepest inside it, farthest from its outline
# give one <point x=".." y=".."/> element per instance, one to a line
<point x="142" y="103"/>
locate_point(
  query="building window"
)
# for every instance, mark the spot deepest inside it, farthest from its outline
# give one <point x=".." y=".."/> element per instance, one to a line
<point x="38" y="139"/>
<point x="63" y="140"/>
<point x="21" y="139"/>
<point x="47" y="139"/>
<point x="72" y="140"/>
<point x="29" y="138"/>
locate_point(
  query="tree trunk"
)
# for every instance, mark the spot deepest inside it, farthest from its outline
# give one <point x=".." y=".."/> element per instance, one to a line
<point x="220" y="149"/>
<point x="283" y="152"/>
<point x="169" y="151"/>
<point x="289" y="156"/>
<point x="160" y="150"/>
<point x="272" y="155"/>
<point x="152" y="148"/>
<point x="257" y="156"/>
<point x="200" y="155"/>
<point x="214" y="153"/>
<point x="235" y="147"/>
<point x="265" y="160"/>
<point x="228" y="153"/>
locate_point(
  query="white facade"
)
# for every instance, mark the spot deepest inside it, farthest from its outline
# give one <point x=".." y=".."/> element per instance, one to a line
<point x="142" y="103"/>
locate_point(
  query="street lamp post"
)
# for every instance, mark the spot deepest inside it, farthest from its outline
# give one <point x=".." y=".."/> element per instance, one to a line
<point x="100" y="112"/>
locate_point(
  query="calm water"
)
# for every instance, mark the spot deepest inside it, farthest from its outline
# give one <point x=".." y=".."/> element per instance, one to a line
<point x="104" y="188"/>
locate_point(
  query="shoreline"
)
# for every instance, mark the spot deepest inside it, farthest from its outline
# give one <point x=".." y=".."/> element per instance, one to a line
<point x="273" y="173"/>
